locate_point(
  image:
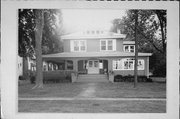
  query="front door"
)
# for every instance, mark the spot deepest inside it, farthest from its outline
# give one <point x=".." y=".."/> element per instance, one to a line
<point x="93" y="67"/>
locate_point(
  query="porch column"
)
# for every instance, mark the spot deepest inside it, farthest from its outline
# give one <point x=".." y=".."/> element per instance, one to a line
<point x="75" y="65"/>
<point x="110" y="64"/>
<point x="147" y="67"/>
<point x="65" y="64"/>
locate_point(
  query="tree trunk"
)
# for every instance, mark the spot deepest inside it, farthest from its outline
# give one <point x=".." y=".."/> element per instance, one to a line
<point x="136" y="50"/>
<point x="38" y="49"/>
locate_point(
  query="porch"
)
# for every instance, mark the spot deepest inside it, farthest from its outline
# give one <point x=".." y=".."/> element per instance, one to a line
<point x="79" y="70"/>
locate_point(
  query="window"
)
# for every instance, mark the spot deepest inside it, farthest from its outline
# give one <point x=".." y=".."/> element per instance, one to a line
<point x="90" y="63"/>
<point x="103" y="45"/>
<point x="129" y="48"/>
<point x="96" y="63"/>
<point x="108" y="45"/>
<point x="69" y="65"/>
<point x="127" y="64"/>
<point x="78" y="45"/>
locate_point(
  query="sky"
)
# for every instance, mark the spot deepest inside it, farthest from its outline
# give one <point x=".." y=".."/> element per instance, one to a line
<point x="88" y="19"/>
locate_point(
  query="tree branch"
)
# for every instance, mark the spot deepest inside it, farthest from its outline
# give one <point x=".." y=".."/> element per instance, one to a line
<point x="150" y="41"/>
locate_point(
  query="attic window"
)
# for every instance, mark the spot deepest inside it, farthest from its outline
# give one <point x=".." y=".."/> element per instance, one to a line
<point x="93" y="32"/>
<point x="97" y="32"/>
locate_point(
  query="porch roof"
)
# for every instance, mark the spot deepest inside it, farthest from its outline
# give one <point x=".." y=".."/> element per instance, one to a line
<point x="93" y="54"/>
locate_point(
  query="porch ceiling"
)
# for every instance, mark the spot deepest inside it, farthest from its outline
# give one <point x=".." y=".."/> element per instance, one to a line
<point x="92" y="54"/>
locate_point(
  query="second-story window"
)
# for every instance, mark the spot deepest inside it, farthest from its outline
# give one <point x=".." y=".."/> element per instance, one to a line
<point x="108" y="44"/>
<point x="129" y="48"/>
<point x="78" y="45"/>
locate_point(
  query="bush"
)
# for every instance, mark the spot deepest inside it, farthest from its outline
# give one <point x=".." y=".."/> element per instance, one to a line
<point x="118" y="78"/>
<point x="149" y="80"/>
<point x="22" y="78"/>
<point x="32" y="79"/>
<point x="130" y="78"/>
<point x="68" y="78"/>
<point x="160" y="70"/>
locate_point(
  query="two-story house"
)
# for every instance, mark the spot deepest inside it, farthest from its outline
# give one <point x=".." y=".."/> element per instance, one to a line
<point x="98" y="52"/>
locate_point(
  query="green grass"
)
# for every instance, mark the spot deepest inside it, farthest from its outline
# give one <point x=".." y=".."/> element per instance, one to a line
<point x="102" y="90"/>
<point x="89" y="106"/>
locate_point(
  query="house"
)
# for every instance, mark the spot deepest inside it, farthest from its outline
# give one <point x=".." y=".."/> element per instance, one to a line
<point x="96" y="53"/>
<point x="20" y="66"/>
<point x="25" y="65"/>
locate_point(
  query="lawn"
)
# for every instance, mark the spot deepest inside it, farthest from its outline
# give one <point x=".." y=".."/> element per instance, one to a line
<point x="90" y="106"/>
<point x="75" y="91"/>
<point x="102" y="90"/>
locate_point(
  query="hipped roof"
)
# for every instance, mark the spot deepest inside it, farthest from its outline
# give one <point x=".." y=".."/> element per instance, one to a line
<point x="83" y="35"/>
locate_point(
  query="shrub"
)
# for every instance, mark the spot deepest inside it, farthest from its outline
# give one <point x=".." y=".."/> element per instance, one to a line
<point x="32" y="79"/>
<point x="118" y="78"/>
<point x="160" y="70"/>
<point x="22" y="78"/>
<point x="130" y="78"/>
<point x="149" y="80"/>
<point x="68" y="78"/>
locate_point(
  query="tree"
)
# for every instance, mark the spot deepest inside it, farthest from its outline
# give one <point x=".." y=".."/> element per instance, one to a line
<point x="151" y="31"/>
<point x="151" y="28"/>
<point x="37" y="26"/>
<point x="51" y="32"/>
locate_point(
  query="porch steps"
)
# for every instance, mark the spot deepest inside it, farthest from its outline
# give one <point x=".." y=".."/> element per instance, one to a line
<point x="92" y="78"/>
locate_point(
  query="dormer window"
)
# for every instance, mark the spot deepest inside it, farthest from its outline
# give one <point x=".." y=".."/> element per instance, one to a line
<point x="78" y="45"/>
<point x="97" y="32"/>
<point x="129" y="48"/>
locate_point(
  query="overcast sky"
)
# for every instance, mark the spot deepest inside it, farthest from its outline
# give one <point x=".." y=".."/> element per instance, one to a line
<point x="83" y="19"/>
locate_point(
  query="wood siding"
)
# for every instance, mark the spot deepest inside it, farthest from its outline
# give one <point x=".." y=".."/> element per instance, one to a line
<point x="93" y="45"/>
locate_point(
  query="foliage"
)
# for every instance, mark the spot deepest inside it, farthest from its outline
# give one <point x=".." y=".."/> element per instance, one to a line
<point x="51" y="32"/>
<point x="150" y="25"/>
<point x="151" y="34"/>
<point x="158" y="65"/>
<point x="130" y="78"/>
<point x="26" y="32"/>
<point x="38" y="27"/>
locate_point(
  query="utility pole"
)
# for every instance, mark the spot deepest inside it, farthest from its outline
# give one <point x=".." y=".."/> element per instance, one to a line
<point x="136" y="49"/>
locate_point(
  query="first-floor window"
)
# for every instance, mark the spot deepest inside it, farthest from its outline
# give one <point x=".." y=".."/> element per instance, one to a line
<point x="127" y="64"/>
<point x="69" y="65"/>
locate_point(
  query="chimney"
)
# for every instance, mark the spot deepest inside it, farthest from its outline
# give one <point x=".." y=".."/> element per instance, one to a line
<point x="118" y="31"/>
